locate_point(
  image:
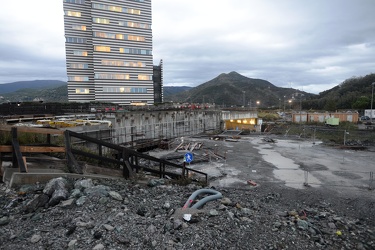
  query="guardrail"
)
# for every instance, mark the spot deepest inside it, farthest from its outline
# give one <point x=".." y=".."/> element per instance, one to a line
<point x="127" y="159"/>
<point x="17" y="150"/>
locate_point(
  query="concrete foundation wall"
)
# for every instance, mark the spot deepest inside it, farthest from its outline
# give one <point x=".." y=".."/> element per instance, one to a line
<point x="163" y="124"/>
<point x="131" y="126"/>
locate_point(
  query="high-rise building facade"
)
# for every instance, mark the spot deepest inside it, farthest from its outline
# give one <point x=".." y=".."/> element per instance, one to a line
<point x="109" y="51"/>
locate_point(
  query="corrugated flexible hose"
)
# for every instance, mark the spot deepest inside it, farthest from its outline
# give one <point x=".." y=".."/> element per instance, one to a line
<point x="215" y="195"/>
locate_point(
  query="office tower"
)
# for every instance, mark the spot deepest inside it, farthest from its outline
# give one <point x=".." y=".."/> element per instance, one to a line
<point x="109" y="51"/>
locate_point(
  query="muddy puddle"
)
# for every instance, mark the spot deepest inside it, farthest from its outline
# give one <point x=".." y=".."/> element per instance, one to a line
<point x="287" y="170"/>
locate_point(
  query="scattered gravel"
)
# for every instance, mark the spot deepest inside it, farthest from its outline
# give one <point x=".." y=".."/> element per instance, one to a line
<point x="123" y="214"/>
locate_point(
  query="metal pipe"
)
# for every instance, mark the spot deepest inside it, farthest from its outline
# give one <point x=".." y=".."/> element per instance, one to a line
<point x="215" y="195"/>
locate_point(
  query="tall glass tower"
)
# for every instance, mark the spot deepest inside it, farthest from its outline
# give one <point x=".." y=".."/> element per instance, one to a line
<point x="109" y="51"/>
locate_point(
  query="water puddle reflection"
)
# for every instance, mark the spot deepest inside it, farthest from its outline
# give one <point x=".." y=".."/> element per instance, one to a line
<point x="287" y="170"/>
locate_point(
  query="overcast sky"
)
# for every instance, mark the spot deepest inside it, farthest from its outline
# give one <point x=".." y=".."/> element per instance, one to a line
<point x="303" y="44"/>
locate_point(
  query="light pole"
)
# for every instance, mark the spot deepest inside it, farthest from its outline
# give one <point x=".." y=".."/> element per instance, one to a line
<point x="345" y="133"/>
<point x="372" y="98"/>
<point x="300" y="107"/>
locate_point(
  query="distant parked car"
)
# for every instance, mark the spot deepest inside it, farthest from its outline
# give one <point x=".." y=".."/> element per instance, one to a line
<point x="364" y="118"/>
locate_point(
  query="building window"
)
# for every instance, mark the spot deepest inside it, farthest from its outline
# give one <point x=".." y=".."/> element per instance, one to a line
<point x="144" y="77"/>
<point x="78" y="1"/>
<point x="116" y="90"/>
<point x="78" y="66"/>
<point x="123" y="63"/>
<point x="82" y="91"/>
<point x="80" y="53"/>
<point x="115" y="8"/>
<point x="106" y="7"/>
<point x="102" y="48"/>
<point x="78" y="78"/>
<point x="136" y="38"/>
<point x="75" y="40"/>
<point x="109" y="35"/>
<point x="134" y="25"/>
<point x="104" y="35"/>
<point x="136" y="51"/>
<point x="136" y="64"/>
<point x="132" y="11"/>
<point x="100" y="20"/>
<point x="138" y="90"/>
<point x="112" y="76"/>
<point x="73" y="13"/>
<point x="113" y="63"/>
<point x="79" y="27"/>
<point x="119" y="36"/>
<point x="124" y="90"/>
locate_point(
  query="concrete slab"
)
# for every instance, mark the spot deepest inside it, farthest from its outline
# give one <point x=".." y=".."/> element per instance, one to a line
<point x="43" y="177"/>
<point x="8" y="172"/>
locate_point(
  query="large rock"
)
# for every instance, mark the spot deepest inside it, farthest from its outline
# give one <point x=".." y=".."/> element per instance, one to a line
<point x="97" y="191"/>
<point x="39" y="201"/>
<point x="83" y="184"/>
<point x="55" y="184"/>
<point x="57" y="196"/>
<point x="56" y="189"/>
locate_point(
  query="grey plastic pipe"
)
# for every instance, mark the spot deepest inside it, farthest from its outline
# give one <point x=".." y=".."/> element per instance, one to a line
<point x="215" y="195"/>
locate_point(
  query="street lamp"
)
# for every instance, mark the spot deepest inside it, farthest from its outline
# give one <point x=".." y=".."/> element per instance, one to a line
<point x="372" y="98"/>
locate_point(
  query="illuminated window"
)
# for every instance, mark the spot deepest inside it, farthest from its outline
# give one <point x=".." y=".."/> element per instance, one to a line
<point x="136" y="64"/>
<point x="73" y="13"/>
<point x="115" y="8"/>
<point x="100" y="20"/>
<point x="109" y="35"/>
<point x="120" y="36"/>
<point x="144" y="77"/>
<point x="133" y="11"/>
<point x="82" y="91"/>
<point x="79" y="52"/>
<point x="79" y="27"/>
<point x="78" y="66"/>
<point x="113" y="62"/>
<point x="78" y="78"/>
<point x="102" y="48"/>
<point x="124" y="90"/>
<point x="112" y="76"/>
<point x="136" y="38"/>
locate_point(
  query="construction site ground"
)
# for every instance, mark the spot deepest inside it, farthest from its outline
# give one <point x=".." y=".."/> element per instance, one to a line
<point x="279" y="193"/>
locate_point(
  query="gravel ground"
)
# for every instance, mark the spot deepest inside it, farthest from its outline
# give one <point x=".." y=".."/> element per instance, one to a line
<point x="148" y="214"/>
<point x="120" y="214"/>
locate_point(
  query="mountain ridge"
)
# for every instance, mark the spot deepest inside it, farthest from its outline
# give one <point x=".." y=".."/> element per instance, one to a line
<point x="34" y="84"/>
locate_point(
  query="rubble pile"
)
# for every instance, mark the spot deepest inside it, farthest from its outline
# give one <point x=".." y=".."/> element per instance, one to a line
<point x="121" y="214"/>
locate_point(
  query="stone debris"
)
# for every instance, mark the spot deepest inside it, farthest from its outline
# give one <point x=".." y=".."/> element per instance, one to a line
<point x="119" y="214"/>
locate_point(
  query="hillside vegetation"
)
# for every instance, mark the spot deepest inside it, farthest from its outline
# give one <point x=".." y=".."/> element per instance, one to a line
<point x="226" y="90"/>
